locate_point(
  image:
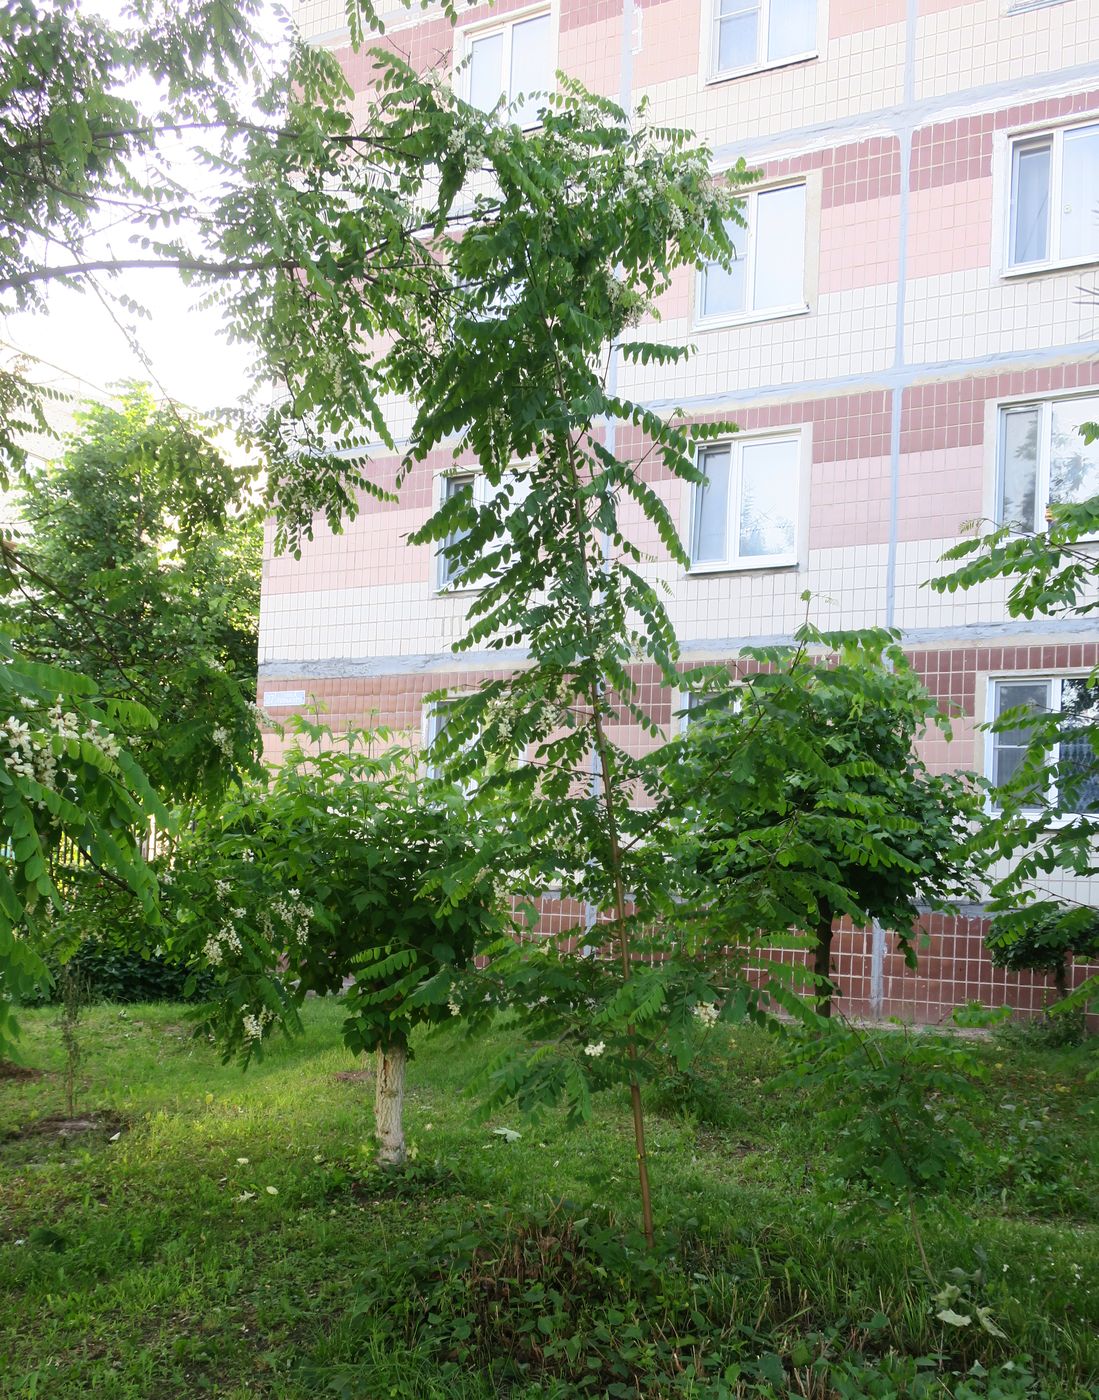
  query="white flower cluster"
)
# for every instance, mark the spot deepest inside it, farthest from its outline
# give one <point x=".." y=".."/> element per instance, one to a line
<point x="706" y="1012"/>
<point x="223" y="740"/>
<point x="254" y="1022"/>
<point x="227" y="939"/>
<point x="595" y="1050"/>
<point x="291" y="913"/>
<point x="453" y="1007"/>
<point x="28" y="753"/>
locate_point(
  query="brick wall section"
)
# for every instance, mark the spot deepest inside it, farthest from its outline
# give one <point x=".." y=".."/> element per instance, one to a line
<point x="962" y="150"/>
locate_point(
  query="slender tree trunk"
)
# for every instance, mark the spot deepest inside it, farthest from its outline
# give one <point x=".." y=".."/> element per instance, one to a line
<point x="1060" y="979"/>
<point x="624" y="949"/>
<point x="389" y="1105"/>
<point x="822" y="962"/>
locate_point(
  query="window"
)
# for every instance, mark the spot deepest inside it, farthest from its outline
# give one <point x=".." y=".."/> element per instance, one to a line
<point x="699" y="705"/>
<point x="475" y="486"/>
<point x="436" y="718"/>
<point x="1044" y="460"/>
<point x="768" y="275"/>
<point x="1054" y="214"/>
<point x="457" y="484"/>
<point x="510" y="62"/>
<point x="746" y="514"/>
<point x="1077" y="705"/>
<point x="750" y="34"/>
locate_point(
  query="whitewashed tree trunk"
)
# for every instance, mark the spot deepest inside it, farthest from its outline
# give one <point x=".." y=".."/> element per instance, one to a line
<point x="389" y="1105"/>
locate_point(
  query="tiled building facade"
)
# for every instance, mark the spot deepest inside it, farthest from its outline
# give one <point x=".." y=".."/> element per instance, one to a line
<point x="907" y="344"/>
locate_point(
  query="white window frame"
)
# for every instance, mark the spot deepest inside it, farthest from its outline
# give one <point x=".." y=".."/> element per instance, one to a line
<point x="467" y="34"/>
<point x="1045" y="404"/>
<point x="716" y="320"/>
<point x="802" y="436"/>
<point x="709" y="49"/>
<point x="1056" y="684"/>
<point x="686" y="697"/>
<point x="1002" y="226"/>
<point x="430" y="730"/>
<point x="446" y="584"/>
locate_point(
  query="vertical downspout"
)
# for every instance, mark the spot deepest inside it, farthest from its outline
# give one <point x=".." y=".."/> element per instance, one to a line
<point x="877" y="952"/>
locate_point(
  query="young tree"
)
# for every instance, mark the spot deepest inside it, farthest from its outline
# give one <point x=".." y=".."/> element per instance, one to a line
<point x="1049" y="944"/>
<point x="327" y="881"/>
<point x="139" y="569"/>
<point x="308" y="232"/>
<point x="829" y="729"/>
<point x="1040" y="826"/>
<point x="306" y="228"/>
<point x="576" y="230"/>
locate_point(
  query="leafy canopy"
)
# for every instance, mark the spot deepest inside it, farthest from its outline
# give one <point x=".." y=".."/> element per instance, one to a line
<point x="1042" y="825"/>
<point x="809" y="762"/>
<point x="332" y="877"/>
<point x="140" y="571"/>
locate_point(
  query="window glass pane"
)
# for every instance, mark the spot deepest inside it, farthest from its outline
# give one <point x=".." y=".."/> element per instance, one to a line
<point x="1019" y="466"/>
<point x="1009" y="747"/>
<point x="1030" y="204"/>
<point x="779" y="234"/>
<point x="736" y="35"/>
<point x="1079" y="767"/>
<point x="486" y="71"/>
<point x="791" y="28"/>
<point x="1073" y="466"/>
<point x="712" y="508"/>
<point x="1014" y="695"/>
<point x="451" y="569"/>
<point x="530" y="65"/>
<point x="768" y="499"/>
<point x="1079" y="212"/>
<point x="723" y="293"/>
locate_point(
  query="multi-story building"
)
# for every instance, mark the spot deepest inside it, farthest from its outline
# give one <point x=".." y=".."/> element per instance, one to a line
<point x="907" y="344"/>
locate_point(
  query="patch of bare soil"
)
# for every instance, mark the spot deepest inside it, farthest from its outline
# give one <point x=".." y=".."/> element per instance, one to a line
<point x="19" y="1073"/>
<point x="57" y="1125"/>
<point x="354" y="1076"/>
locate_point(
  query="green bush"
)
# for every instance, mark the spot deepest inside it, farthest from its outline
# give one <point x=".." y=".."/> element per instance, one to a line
<point x="111" y="973"/>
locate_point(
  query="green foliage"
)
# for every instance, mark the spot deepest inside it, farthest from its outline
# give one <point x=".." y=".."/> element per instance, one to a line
<point x="1048" y="942"/>
<point x="896" y="1105"/>
<point x="324" y="880"/>
<point x="65" y="782"/>
<point x="185" y="1248"/>
<point x="121" y="976"/>
<point x="578" y="230"/>
<point x="101" y="936"/>
<point x="140" y="570"/>
<point x="1037" y="828"/>
<point x="797" y="793"/>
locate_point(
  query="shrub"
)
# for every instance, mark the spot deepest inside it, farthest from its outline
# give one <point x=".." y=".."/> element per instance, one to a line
<point x="114" y="973"/>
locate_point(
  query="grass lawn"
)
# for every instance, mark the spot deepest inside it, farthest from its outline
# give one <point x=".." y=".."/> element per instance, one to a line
<point x="224" y="1234"/>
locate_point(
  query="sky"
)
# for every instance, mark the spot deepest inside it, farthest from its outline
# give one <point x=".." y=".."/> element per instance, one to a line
<point x="77" y="338"/>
